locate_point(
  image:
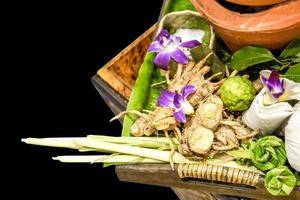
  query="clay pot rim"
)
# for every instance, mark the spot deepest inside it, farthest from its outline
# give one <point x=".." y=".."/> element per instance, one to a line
<point x="255" y="3"/>
<point x="288" y="23"/>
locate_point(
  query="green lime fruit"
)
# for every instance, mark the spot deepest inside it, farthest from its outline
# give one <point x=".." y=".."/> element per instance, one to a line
<point x="237" y="93"/>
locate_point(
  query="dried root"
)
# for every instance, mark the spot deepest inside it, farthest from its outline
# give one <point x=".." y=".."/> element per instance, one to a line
<point x="211" y="130"/>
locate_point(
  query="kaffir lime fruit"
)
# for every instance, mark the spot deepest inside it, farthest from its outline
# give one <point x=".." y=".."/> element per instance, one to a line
<point x="237" y="93"/>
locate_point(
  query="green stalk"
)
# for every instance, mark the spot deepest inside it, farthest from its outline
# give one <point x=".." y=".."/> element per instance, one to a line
<point x="120" y="159"/>
<point x="129" y="140"/>
<point x="100" y="146"/>
<point x="154" y="92"/>
<point x="53" y="142"/>
<point x="161" y="143"/>
<point x="137" y="151"/>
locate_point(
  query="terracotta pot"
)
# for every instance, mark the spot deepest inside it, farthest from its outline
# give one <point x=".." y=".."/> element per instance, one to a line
<point x="272" y="28"/>
<point x="256" y="2"/>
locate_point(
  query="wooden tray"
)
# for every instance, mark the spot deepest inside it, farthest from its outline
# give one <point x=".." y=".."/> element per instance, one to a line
<point x="121" y="72"/>
<point x="114" y="82"/>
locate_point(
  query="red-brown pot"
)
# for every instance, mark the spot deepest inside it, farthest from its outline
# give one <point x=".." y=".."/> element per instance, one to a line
<point x="272" y="28"/>
<point x="256" y="2"/>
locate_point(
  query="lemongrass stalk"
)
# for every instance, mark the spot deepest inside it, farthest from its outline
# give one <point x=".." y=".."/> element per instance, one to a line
<point x="70" y="142"/>
<point x="130" y="139"/>
<point x="138" y="151"/>
<point x="128" y="159"/>
<point x="108" y="147"/>
<point x="50" y="142"/>
<point x="135" y="141"/>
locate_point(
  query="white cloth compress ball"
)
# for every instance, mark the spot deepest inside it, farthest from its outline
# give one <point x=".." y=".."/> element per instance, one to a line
<point x="292" y="139"/>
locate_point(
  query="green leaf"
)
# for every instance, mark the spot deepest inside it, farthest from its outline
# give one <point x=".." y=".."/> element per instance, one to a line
<point x="280" y="181"/>
<point x="216" y="64"/>
<point x="268" y="152"/>
<point x="154" y="92"/>
<point x="139" y="96"/>
<point x="178" y="5"/>
<point x="222" y="50"/>
<point x="293" y="49"/>
<point x="296" y="174"/>
<point x="240" y="153"/>
<point x="249" y="56"/>
<point x="293" y="73"/>
<point x="297" y="59"/>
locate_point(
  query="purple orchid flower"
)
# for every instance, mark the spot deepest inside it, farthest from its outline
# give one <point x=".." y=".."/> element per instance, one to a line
<point x="170" y="47"/>
<point x="178" y="102"/>
<point x="274" y="85"/>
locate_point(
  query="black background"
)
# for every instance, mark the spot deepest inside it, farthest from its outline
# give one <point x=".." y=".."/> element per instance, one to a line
<point x="55" y="50"/>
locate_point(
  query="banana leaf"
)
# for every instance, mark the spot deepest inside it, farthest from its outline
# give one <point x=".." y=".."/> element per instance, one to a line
<point x="177" y="5"/>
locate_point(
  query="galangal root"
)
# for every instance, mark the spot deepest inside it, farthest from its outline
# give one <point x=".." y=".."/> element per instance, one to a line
<point x="210" y="130"/>
<point x="161" y="118"/>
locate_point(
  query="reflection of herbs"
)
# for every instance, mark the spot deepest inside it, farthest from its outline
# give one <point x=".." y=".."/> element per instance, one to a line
<point x="286" y="62"/>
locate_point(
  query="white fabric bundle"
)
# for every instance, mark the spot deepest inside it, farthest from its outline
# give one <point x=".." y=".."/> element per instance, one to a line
<point x="190" y="34"/>
<point x="292" y="138"/>
<point x="269" y="118"/>
<point x="266" y="118"/>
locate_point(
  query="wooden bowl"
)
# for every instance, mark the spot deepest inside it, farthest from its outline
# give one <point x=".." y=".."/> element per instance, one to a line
<point x="273" y="28"/>
<point x="256" y="2"/>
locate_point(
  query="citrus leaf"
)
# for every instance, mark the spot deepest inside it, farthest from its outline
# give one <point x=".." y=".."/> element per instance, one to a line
<point x="293" y="49"/>
<point x="249" y="56"/>
<point x="293" y="73"/>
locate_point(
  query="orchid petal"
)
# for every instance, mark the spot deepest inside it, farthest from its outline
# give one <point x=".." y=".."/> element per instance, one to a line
<point x="274" y="80"/>
<point x="187" y="108"/>
<point x="292" y="91"/>
<point x="162" y="60"/>
<point x="190" y="44"/>
<point x="188" y="90"/>
<point x="278" y="90"/>
<point x="164" y="38"/>
<point x="176" y="39"/>
<point x="166" y="99"/>
<point x="179" y="56"/>
<point x="180" y="116"/>
<point x="155" y="47"/>
<point x="162" y="35"/>
<point x="273" y="83"/>
<point x="264" y="80"/>
<point x="276" y="95"/>
<point x="178" y="101"/>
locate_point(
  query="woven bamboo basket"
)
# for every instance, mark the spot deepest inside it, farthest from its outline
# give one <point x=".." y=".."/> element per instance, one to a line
<point x="218" y="173"/>
<point x="121" y="72"/>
